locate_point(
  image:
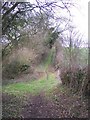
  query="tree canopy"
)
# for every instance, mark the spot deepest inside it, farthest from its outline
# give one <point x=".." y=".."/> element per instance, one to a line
<point x="15" y="15"/>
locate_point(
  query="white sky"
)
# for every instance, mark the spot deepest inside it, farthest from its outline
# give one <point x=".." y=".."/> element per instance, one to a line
<point x="80" y="18"/>
<point x="80" y="15"/>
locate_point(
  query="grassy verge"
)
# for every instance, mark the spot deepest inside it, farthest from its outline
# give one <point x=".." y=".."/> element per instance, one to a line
<point x="34" y="87"/>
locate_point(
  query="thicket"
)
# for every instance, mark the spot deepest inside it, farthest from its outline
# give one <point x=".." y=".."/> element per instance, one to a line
<point x="76" y="80"/>
<point x="13" y="69"/>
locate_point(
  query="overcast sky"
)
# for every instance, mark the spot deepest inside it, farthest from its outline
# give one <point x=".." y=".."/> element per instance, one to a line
<point x="81" y="16"/>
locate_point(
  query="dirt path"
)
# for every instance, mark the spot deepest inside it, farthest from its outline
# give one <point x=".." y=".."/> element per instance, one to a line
<point x="58" y="105"/>
<point x="39" y="107"/>
<point x="62" y="107"/>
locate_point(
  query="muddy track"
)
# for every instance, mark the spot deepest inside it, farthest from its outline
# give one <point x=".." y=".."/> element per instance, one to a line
<point x="63" y="106"/>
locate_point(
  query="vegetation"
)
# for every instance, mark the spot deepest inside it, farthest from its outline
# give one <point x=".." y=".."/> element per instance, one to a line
<point x="34" y="87"/>
<point x="44" y="66"/>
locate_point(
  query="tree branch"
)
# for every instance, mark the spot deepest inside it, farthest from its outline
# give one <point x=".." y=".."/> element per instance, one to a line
<point x="8" y="11"/>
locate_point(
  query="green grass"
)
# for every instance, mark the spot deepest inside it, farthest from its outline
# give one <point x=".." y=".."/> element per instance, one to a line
<point x="34" y="87"/>
<point x="49" y="59"/>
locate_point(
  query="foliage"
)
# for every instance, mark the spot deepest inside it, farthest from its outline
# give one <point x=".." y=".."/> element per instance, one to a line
<point x="76" y="80"/>
<point x="23" y="15"/>
<point x="6" y="51"/>
<point x="13" y="69"/>
<point x="49" y="59"/>
<point x="13" y="11"/>
<point x="12" y="19"/>
<point x="79" y="57"/>
<point x="51" y="38"/>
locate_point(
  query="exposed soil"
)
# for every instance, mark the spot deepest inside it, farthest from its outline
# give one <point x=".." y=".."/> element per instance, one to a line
<point x="59" y="105"/>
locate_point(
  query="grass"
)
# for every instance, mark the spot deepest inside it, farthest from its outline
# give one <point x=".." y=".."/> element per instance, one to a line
<point x="34" y="87"/>
<point x="48" y="60"/>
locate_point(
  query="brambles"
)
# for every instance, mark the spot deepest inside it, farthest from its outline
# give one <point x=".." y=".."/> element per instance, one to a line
<point x="13" y="69"/>
<point x="76" y="79"/>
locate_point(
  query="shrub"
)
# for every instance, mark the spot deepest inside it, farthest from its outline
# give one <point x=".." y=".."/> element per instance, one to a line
<point x="76" y="80"/>
<point x="13" y="69"/>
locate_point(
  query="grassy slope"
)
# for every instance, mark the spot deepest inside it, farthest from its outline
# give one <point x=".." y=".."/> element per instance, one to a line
<point x="36" y="86"/>
<point x="33" y="87"/>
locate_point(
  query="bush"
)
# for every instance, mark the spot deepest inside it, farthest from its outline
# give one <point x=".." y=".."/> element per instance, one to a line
<point x="13" y="69"/>
<point x="65" y="76"/>
<point x="76" y="80"/>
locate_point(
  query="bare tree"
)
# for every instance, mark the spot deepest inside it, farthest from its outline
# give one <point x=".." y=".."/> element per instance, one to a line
<point x="18" y="16"/>
<point x="15" y="11"/>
